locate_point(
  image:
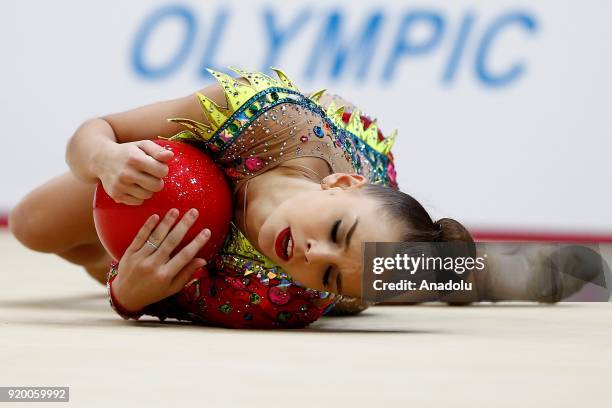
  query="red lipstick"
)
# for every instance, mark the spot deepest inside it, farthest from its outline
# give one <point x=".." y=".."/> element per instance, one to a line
<point x="284" y="244"/>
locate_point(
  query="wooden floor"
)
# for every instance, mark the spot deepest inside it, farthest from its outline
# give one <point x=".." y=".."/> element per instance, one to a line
<point x="56" y="329"/>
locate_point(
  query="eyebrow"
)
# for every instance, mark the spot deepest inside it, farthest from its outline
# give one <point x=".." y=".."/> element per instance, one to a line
<point x="349" y="235"/>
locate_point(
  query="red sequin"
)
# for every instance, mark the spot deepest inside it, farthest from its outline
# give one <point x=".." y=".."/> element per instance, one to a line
<point x="279" y="296"/>
<point x="253" y="163"/>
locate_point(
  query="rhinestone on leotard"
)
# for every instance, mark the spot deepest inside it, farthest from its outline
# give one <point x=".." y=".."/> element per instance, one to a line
<point x="253" y="163"/>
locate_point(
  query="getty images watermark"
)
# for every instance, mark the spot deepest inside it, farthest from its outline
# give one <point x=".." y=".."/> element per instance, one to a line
<point x="459" y="272"/>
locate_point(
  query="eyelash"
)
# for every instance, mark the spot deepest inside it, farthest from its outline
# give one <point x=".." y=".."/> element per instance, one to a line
<point x="334" y="231"/>
<point x="334" y="238"/>
<point x="326" y="276"/>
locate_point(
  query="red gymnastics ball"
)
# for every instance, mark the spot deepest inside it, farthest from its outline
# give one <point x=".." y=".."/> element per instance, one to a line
<point x="194" y="181"/>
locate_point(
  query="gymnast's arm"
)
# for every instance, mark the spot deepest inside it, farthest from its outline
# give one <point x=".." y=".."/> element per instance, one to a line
<point x="117" y="149"/>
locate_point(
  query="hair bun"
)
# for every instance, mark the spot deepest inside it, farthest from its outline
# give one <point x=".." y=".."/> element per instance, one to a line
<point x="453" y="231"/>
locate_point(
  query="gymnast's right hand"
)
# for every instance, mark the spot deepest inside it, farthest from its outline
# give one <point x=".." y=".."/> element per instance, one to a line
<point x="131" y="172"/>
<point x="147" y="273"/>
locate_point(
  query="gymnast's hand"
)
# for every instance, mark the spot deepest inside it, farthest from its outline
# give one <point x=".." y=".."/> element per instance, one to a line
<point x="131" y="172"/>
<point x="147" y="273"/>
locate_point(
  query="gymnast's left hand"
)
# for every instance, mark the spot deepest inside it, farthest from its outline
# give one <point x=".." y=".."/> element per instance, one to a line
<point x="147" y="273"/>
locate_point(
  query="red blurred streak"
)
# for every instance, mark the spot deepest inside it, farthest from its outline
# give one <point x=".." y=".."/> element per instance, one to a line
<point x="501" y="235"/>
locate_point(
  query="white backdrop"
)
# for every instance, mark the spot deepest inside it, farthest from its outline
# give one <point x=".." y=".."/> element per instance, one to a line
<point x="503" y="108"/>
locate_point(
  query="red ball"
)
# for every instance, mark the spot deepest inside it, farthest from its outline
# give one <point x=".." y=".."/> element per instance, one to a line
<point x="194" y="181"/>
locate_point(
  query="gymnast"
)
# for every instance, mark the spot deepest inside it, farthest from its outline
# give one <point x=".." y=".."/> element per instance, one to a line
<point x="313" y="177"/>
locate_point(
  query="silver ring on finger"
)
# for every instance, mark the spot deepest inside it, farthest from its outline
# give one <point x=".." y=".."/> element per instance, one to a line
<point x="152" y="244"/>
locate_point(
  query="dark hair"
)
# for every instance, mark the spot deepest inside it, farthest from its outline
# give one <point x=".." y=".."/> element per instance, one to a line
<point x="417" y="225"/>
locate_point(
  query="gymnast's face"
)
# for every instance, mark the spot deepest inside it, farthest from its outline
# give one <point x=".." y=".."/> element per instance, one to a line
<point x="316" y="236"/>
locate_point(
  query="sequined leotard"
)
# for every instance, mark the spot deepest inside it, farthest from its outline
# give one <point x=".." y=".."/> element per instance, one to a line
<point x="265" y="123"/>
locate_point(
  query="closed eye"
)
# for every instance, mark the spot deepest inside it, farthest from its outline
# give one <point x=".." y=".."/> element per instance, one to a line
<point x="334" y="231"/>
<point x="326" y="276"/>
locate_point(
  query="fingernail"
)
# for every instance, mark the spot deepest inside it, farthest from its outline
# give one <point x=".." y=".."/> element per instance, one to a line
<point x="206" y="232"/>
<point x="193" y="212"/>
<point x="173" y="212"/>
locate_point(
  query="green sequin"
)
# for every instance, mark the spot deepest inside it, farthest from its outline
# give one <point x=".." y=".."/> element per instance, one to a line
<point x="254" y="298"/>
<point x="225" y="309"/>
<point x="283" y="317"/>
